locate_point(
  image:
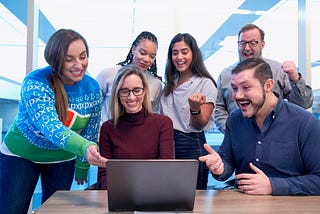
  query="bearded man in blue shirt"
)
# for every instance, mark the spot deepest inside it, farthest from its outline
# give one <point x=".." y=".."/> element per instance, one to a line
<point x="273" y="146"/>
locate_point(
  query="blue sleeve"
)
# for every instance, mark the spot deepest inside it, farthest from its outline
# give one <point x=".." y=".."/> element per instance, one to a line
<point x="226" y="154"/>
<point x="39" y="102"/>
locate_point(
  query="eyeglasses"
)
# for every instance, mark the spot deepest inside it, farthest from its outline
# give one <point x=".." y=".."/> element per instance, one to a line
<point x="252" y="44"/>
<point x="125" y="92"/>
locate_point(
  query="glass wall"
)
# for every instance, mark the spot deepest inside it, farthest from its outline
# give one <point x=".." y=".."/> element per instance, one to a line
<point x="110" y="26"/>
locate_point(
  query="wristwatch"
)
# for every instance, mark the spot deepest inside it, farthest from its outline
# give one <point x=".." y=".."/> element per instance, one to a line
<point x="195" y="112"/>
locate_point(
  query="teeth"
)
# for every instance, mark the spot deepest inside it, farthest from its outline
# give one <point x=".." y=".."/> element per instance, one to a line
<point x="244" y="102"/>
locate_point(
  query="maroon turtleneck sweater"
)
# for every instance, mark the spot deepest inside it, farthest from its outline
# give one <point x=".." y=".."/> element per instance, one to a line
<point x="139" y="135"/>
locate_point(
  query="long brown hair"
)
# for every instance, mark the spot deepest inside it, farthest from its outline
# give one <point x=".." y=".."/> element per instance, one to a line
<point x="197" y="65"/>
<point x="54" y="53"/>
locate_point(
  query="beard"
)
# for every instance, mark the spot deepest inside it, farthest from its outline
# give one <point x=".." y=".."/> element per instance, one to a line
<point x="249" y="54"/>
<point x="255" y="106"/>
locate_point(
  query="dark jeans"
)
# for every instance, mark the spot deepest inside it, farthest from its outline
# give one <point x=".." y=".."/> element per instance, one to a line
<point x="19" y="177"/>
<point x="190" y="146"/>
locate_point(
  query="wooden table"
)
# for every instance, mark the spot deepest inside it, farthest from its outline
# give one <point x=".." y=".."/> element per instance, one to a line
<point x="207" y="201"/>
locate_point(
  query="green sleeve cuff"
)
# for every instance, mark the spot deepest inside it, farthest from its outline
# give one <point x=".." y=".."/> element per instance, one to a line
<point x="81" y="168"/>
<point x="78" y="145"/>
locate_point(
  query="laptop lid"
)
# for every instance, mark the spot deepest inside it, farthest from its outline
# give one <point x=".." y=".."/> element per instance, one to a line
<point x="151" y="185"/>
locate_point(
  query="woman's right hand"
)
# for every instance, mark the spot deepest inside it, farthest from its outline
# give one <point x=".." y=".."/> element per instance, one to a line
<point x="94" y="157"/>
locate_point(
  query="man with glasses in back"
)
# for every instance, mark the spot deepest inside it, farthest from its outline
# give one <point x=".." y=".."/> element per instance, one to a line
<point x="289" y="84"/>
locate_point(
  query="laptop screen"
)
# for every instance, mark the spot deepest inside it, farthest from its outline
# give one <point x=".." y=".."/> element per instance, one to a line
<point x="151" y="185"/>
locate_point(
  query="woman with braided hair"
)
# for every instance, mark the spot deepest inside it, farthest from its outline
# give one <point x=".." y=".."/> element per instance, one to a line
<point x="142" y="53"/>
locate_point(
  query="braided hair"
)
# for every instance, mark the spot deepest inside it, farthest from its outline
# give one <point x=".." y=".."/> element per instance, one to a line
<point x="143" y="35"/>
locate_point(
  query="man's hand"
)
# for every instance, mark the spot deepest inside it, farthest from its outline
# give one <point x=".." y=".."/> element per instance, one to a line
<point x="212" y="160"/>
<point x="254" y="184"/>
<point x="290" y="68"/>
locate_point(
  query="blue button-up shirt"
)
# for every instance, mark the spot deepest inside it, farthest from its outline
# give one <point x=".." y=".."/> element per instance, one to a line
<point x="287" y="149"/>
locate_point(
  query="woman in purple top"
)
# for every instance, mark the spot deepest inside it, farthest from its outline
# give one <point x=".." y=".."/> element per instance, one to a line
<point x="133" y="132"/>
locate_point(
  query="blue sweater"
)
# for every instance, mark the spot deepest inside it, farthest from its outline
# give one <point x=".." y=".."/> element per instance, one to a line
<point x="287" y="149"/>
<point x="38" y="135"/>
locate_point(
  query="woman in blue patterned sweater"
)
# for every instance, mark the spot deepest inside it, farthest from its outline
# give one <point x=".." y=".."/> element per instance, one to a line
<point x="55" y="131"/>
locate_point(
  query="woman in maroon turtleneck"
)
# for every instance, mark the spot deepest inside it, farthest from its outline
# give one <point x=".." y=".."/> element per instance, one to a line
<point x="134" y="132"/>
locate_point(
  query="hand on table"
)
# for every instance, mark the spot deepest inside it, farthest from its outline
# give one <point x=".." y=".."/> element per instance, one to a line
<point x="256" y="183"/>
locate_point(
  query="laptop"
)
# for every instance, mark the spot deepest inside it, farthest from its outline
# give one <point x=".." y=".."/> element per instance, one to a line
<point x="151" y="185"/>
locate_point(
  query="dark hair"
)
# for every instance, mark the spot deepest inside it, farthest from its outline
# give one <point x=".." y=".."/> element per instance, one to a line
<point x="143" y="35"/>
<point x="54" y="53"/>
<point x="197" y="65"/>
<point x="262" y="70"/>
<point x="250" y="27"/>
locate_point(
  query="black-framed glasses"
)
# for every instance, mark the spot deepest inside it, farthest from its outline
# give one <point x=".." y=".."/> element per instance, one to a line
<point x="125" y="92"/>
<point x="252" y="44"/>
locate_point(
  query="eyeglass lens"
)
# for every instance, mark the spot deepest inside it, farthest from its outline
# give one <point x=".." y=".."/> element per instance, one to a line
<point x="251" y="43"/>
<point x="125" y="92"/>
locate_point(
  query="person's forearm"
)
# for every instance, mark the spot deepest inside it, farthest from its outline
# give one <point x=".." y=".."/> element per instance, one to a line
<point x="200" y="118"/>
<point x="299" y="185"/>
<point x="301" y="94"/>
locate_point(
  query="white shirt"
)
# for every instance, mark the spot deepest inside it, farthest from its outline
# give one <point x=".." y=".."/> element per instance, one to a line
<point x="176" y="104"/>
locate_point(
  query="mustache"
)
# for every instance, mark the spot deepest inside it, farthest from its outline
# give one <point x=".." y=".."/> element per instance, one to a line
<point x="243" y="100"/>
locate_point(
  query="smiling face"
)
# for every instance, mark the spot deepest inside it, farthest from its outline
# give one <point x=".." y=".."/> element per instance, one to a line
<point x="181" y="56"/>
<point x="132" y="103"/>
<point x="249" y="50"/>
<point x="144" y="54"/>
<point x="248" y="92"/>
<point x="75" y="63"/>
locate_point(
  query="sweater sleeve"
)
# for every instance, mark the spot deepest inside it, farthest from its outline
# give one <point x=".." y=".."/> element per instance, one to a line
<point x="82" y="166"/>
<point x="40" y="106"/>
